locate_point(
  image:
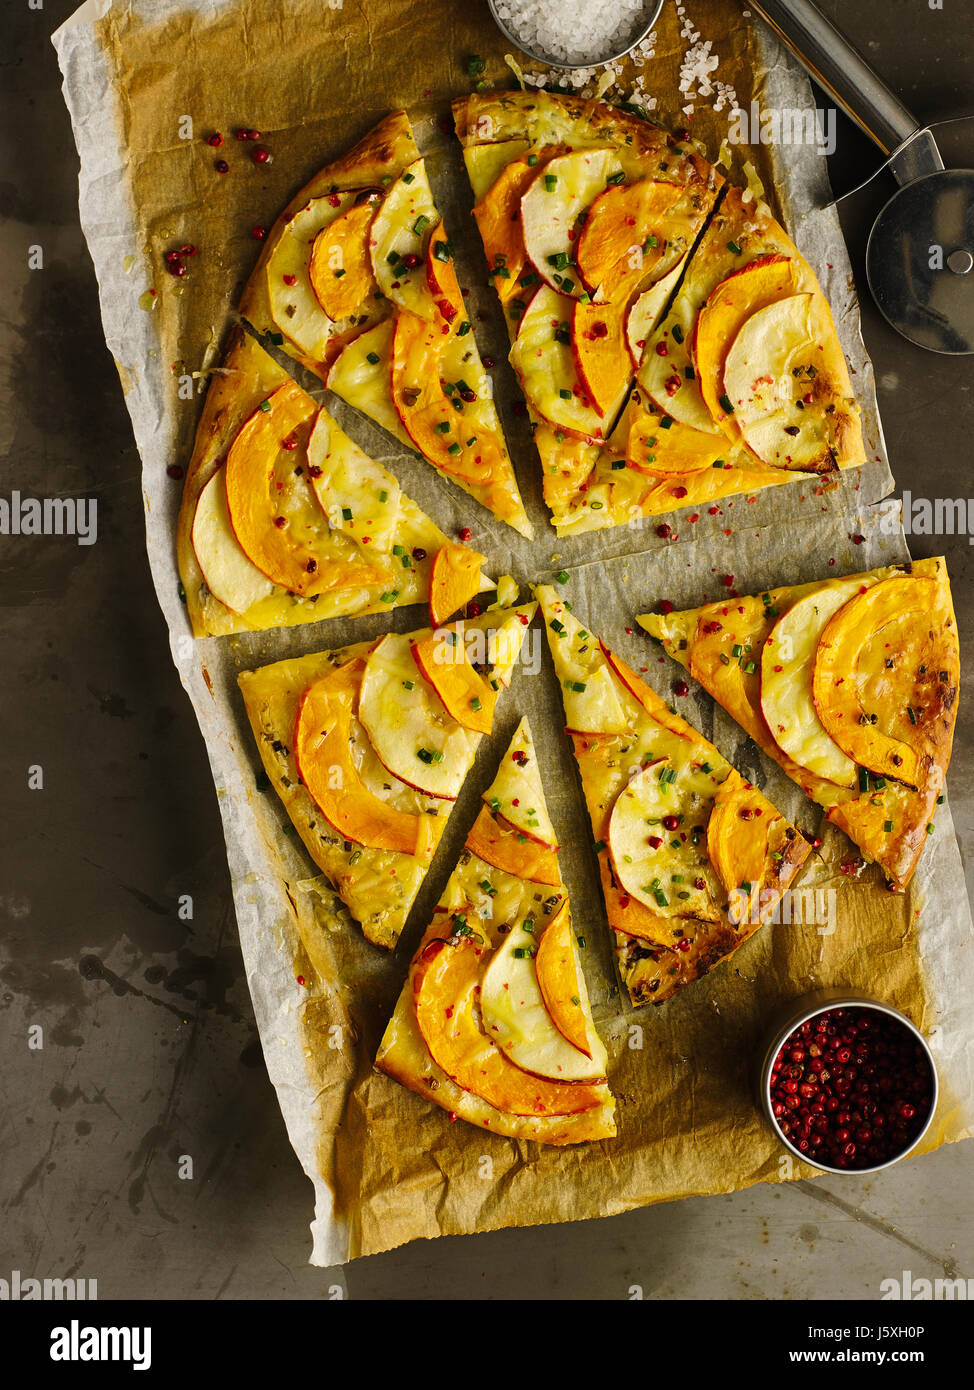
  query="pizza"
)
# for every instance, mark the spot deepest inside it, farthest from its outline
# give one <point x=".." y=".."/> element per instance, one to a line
<point x="850" y="685"/>
<point x="659" y="371"/>
<point x="494" y="1023"/>
<point x="368" y="747"/>
<point x="285" y="520"/>
<point x="356" y="282"/>
<point x="693" y="859"/>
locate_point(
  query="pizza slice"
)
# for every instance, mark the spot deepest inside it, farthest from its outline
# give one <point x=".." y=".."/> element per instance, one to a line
<point x="742" y="385"/>
<point x="284" y="520"/>
<point x="368" y="747"/>
<point x="587" y="216"/>
<point x="493" y="1023"/>
<point x="356" y="282"/>
<point x="850" y="684"/>
<point x="693" y="859"/>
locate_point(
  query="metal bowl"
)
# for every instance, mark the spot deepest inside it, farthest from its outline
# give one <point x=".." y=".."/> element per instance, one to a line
<point x="800" y="1011"/>
<point x="592" y="62"/>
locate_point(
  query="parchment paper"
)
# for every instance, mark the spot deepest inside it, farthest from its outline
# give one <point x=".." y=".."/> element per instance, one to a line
<point x="313" y="76"/>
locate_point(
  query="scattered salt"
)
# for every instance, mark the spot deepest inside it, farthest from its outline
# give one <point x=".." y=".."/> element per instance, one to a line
<point x="596" y="28"/>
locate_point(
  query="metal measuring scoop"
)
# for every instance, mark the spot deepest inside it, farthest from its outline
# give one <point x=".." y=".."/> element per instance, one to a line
<point x="652" y="10"/>
<point x="920" y="253"/>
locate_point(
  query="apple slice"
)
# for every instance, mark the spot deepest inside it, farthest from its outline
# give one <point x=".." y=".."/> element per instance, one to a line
<point x="661" y="453"/>
<point x="446" y="992"/>
<point x="441" y="276"/>
<point x="836" y="678"/>
<point x="668" y="377"/>
<point x="323" y="744"/>
<point x="340" y="270"/>
<point x="275" y="514"/>
<point x="765" y="375"/>
<point x="454" y="580"/>
<point x="439" y="431"/>
<point x="762" y="282"/>
<point x="600" y="354"/>
<point x="504" y="846"/>
<point x="497" y="214"/>
<point x="407" y="725"/>
<point x="588" y="691"/>
<point x="360" y="375"/>
<point x="543" y="360"/>
<point x="486" y="162"/>
<point x="662" y="868"/>
<point x="516" y="793"/>
<point x="517" y="1016"/>
<point x="646" y="310"/>
<point x="787" y="663"/>
<point x="621" y="241"/>
<point x="549" y="211"/>
<point x="360" y="498"/>
<point x="399" y="241"/>
<point x="463" y="692"/>
<point x="563" y="988"/>
<point x="293" y="304"/>
<point x="229" y="575"/>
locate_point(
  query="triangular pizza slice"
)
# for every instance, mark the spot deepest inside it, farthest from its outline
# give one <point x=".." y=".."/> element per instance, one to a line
<point x="587" y="216"/>
<point x="356" y="282"/>
<point x="850" y="684"/>
<point x="285" y="520"/>
<point x="693" y="859"/>
<point x="368" y="747"/>
<point x="493" y="1023"/>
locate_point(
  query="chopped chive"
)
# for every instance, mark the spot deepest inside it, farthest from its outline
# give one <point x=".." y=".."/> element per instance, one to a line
<point x="421" y="223"/>
<point x="373" y="357"/>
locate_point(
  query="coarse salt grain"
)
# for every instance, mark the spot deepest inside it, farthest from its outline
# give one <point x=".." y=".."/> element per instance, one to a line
<point x="597" y="27"/>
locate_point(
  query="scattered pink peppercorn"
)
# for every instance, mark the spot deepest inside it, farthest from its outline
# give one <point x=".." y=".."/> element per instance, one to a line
<point x="258" y="233"/>
<point x="260" y="155"/>
<point x="464" y="533"/>
<point x="216" y="139"/>
<point x="221" y="166"/>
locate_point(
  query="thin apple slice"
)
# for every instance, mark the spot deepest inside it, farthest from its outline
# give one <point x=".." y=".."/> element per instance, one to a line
<point x="230" y="576"/>
<point x="502" y="845"/>
<point x="399" y="241"/>
<point x="486" y="162"/>
<point x="294" y="306"/>
<point x="667" y="376"/>
<point x="497" y="214"/>
<point x="622" y="240"/>
<point x="454" y="580"/>
<point x="666" y="869"/>
<point x="787" y="663"/>
<point x="563" y="988"/>
<point x="360" y="498"/>
<point x="550" y="207"/>
<point x="323" y="752"/>
<point x="463" y="692"/>
<point x="441" y="433"/>
<point x="446" y="992"/>
<point x="836" y="680"/>
<point x="646" y="310"/>
<point x="588" y="691"/>
<point x="765" y="376"/>
<point x="516" y="792"/>
<point x="601" y="355"/>
<point x="762" y="282"/>
<point x="661" y="452"/>
<point x="411" y="732"/>
<point x="441" y="277"/>
<point x="543" y="360"/>
<point x="275" y="514"/>
<point x="340" y="270"/>
<point x="519" y="1019"/>
<point x="360" y="375"/>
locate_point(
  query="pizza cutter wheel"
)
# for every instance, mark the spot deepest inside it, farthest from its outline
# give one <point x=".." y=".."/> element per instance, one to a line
<point x="920" y="253"/>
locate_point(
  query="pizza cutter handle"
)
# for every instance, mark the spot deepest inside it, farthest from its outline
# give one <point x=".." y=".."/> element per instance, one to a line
<point x="837" y="67"/>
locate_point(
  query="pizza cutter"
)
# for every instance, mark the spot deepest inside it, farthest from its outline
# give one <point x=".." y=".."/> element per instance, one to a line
<point x="920" y="253"/>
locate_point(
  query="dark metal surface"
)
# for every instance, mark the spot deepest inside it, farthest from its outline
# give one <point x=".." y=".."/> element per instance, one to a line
<point x="151" y="1050"/>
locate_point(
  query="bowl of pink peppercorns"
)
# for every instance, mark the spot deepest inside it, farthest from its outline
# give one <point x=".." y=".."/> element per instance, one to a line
<point x="848" y="1084"/>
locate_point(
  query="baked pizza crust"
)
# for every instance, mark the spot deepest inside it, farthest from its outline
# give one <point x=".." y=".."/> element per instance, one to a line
<point x="914" y="697"/>
<point x="690" y="811"/>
